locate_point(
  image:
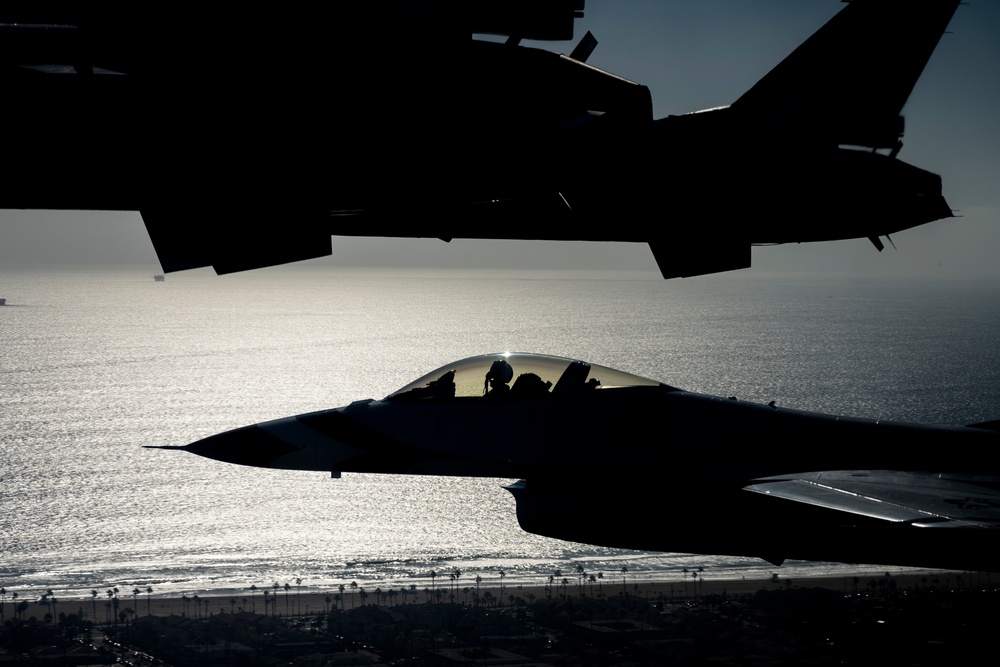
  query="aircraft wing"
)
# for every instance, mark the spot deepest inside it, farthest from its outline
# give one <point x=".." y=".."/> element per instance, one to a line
<point x="923" y="500"/>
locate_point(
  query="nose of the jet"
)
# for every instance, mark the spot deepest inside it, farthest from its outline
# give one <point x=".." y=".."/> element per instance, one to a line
<point x="250" y="446"/>
<point x="326" y="440"/>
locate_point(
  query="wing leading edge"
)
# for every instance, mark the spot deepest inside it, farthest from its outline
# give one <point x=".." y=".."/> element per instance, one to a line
<point x="923" y="500"/>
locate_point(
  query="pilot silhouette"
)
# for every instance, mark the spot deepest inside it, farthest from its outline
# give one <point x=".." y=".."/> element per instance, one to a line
<point x="497" y="379"/>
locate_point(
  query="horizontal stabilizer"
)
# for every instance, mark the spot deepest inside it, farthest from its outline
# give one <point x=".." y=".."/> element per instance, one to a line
<point x="229" y="242"/>
<point x="678" y="259"/>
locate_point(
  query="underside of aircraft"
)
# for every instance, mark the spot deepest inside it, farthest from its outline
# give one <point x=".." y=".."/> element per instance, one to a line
<point x="388" y="118"/>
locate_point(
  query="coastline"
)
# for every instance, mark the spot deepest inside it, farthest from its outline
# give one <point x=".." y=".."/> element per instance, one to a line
<point x="309" y="601"/>
<point x="929" y="618"/>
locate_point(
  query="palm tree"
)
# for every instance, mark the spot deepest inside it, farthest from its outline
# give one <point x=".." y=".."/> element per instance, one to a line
<point x="354" y="586"/>
<point x="433" y="579"/>
<point x="592" y="579"/>
<point x="341" y="588"/>
<point x="298" y="589"/>
<point x="288" y="588"/>
<point x="3" y="599"/>
<point x="267" y="600"/>
<point x="451" y="578"/>
<point x="149" y="591"/>
<point x="502" y="575"/>
<point x="624" y="572"/>
<point x="478" y="580"/>
<point x="253" y="600"/>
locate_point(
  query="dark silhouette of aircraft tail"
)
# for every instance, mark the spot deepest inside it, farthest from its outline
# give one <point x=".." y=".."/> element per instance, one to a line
<point x="850" y="80"/>
<point x="830" y="105"/>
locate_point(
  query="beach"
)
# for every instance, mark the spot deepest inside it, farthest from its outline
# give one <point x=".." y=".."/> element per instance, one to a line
<point x="309" y="601"/>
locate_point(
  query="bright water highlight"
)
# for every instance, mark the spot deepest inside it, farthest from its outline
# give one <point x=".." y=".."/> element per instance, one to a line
<point x="95" y="364"/>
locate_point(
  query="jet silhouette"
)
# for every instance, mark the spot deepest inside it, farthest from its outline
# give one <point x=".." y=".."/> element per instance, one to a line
<point x="617" y="460"/>
<point x="246" y="139"/>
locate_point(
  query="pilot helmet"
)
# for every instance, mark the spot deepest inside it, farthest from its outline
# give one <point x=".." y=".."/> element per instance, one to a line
<point x="500" y="371"/>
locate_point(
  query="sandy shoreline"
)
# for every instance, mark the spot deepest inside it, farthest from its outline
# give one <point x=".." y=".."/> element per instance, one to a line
<point x="311" y="601"/>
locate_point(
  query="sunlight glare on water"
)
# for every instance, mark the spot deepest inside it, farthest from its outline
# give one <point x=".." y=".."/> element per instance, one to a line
<point x="95" y="364"/>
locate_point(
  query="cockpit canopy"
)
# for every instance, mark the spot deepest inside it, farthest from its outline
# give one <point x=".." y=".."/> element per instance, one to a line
<point x="516" y="376"/>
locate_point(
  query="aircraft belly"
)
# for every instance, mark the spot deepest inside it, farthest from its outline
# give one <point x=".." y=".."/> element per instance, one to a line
<point x="724" y="519"/>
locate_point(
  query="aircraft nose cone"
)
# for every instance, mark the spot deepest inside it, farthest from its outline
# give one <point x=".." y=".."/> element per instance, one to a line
<point x="250" y="446"/>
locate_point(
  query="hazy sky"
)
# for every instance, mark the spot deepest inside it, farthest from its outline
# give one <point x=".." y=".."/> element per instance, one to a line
<point x="692" y="55"/>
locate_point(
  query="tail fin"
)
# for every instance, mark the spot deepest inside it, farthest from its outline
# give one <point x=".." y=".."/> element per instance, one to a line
<point x="851" y="79"/>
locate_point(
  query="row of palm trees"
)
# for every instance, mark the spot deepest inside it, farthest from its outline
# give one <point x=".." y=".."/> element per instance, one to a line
<point x="50" y="601"/>
<point x="197" y="606"/>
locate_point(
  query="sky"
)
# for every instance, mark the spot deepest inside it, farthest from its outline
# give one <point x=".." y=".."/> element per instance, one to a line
<point x="692" y="56"/>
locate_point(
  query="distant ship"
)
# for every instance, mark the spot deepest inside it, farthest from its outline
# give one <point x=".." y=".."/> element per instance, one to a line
<point x="3" y="302"/>
<point x="159" y="277"/>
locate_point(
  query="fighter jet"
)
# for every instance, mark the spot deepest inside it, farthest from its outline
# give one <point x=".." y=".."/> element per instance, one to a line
<point x="247" y="138"/>
<point x="592" y="448"/>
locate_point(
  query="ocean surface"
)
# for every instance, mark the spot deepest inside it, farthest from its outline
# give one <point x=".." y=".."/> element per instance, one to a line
<point x="96" y="363"/>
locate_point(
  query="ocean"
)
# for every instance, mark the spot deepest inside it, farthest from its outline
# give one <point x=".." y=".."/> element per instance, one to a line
<point x="95" y="363"/>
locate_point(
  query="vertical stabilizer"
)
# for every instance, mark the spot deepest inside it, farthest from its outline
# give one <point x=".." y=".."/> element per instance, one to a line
<point x="851" y="79"/>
